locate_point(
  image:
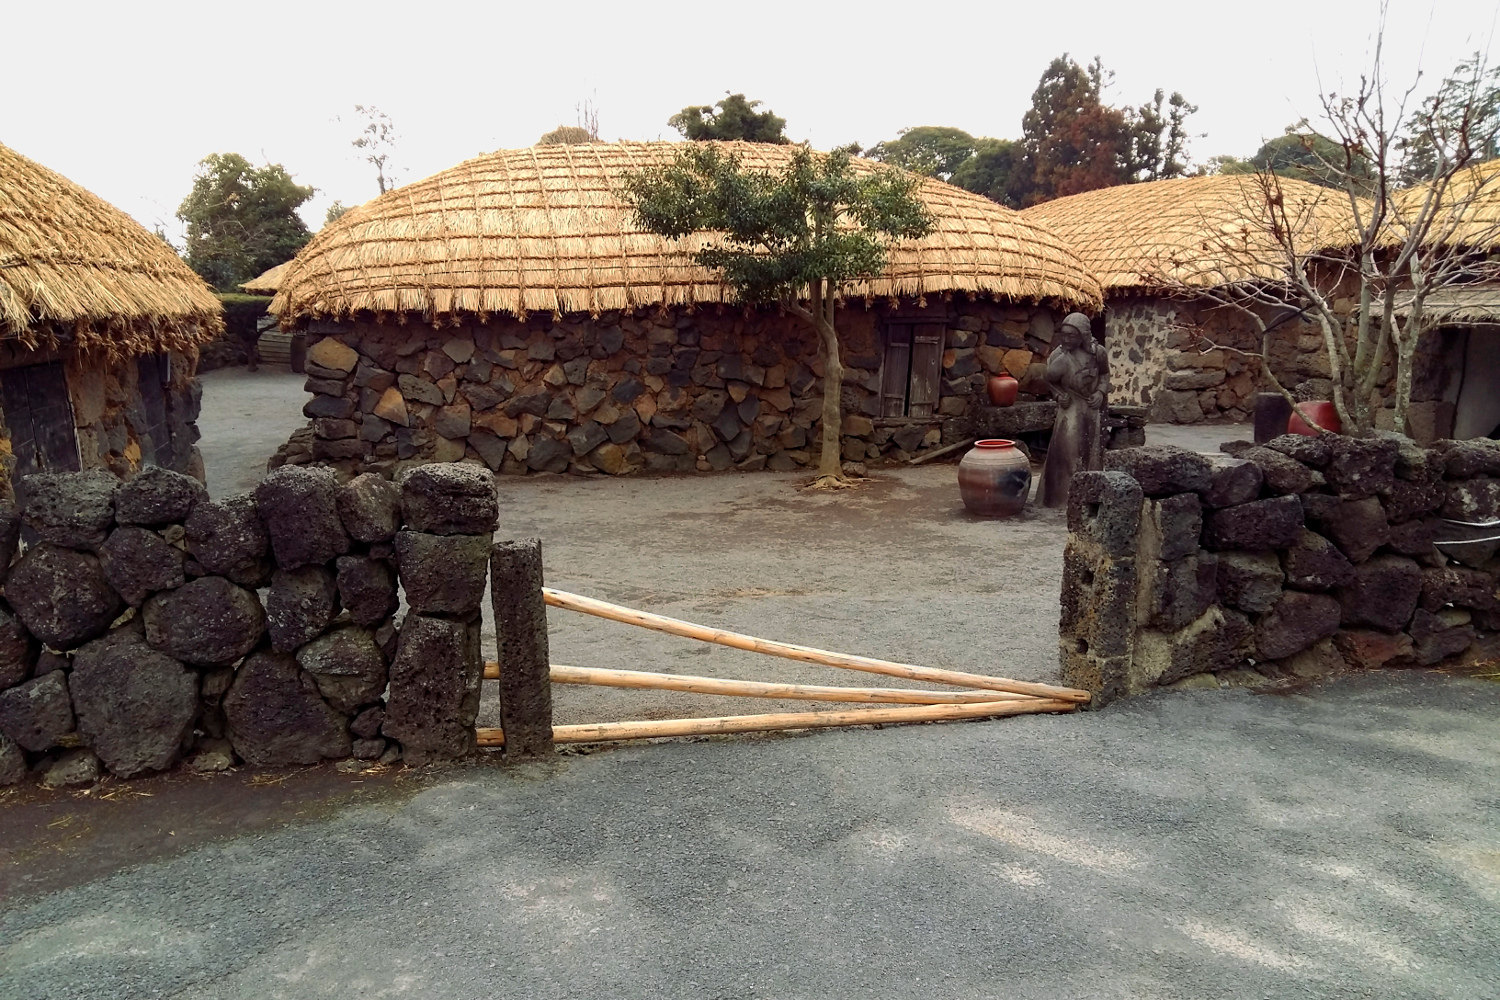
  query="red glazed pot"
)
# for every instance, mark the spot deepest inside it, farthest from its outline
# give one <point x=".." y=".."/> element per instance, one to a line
<point x="1321" y="411"/>
<point x="1002" y="390"/>
<point x="994" y="478"/>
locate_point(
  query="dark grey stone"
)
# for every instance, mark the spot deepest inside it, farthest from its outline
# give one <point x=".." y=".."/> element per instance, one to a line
<point x="331" y="407"/>
<point x="1467" y="588"/>
<point x="1182" y="590"/>
<point x="548" y="454"/>
<point x="1360" y="467"/>
<point x="18" y="649"/>
<point x="1313" y="451"/>
<point x="586" y="437"/>
<point x="366" y="724"/>
<point x="1250" y="581"/>
<point x="228" y="539"/>
<point x="370" y="508"/>
<point x="442" y="574"/>
<point x="367" y="589"/>
<point x="1383" y="594"/>
<point x="367" y="749"/>
<point x="1275" y="523"/>
<point x="158" y="496"/>
<point x="135" y="706"/>
<point x="1467" y="459"/>
<point x="12" y="762"/>
<point x="1162" y="469"/>
<point x="1222" y="639"/>
<point x="1357" y="527"/>
<point x="208" y="622"/>
<point x="10" y="535"/>
<point x="521" y="640"/>
<point x="347" y="665"/>
<point x="1413" y="538"/>
<point x="491" y="447"/>
<point x="37" y="713"/>
<point x="138" y="562"/>
<point x="74" y="510"/>
<point x="434" y="692"/>
<point x="1281" y="475"/>
<point x="1233" y="481"/>
<point x="1178" y="521"/>
<point x="1437" y="639"/>
<point x="626" y="428"/>
<point x="1315" y="563"/>
<point x="301" y="604"/>
<point x="665" y="442"/>
<point x="277" y="717"/>
<point x="450" y="499"/>
<point x="48" y="661"/>
<point x="1105" y="508"/>
<point x="61" y="596"/>
<point x="1473" y="500"/>
<point x="71" y="768"/>
<point x="1296" y="622"/>
<point x="299" y="506"/>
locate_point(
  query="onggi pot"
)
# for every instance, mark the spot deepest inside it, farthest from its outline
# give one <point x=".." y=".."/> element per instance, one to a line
<point x="1002" y="390"/>
<point x="994" y="478"/>
<point x="1323" y="412"/>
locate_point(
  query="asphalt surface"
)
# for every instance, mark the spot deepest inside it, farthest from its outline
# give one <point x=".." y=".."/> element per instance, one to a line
<point x="1336" y="843"/>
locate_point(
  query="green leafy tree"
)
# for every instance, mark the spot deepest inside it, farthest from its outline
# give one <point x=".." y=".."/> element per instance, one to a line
<point x="799" y="235"/>
<point x="241" y="219"/>
<point x="997" y="170"/>
<point x="732" y="118"/>
<point x="1073" y="141"/>
<point x="335" y="212"/>
<point x="1300" y="155"/>
<point x="566" y="135"/>
<point x="1158" y="137"/>
<point x="930" y="150"/>
<point x="1460" y="120"/>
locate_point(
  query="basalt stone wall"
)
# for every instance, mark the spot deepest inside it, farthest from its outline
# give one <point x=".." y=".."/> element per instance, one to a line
<point x="675" y="391"/>
<point x="1296" y="559"/>
<point x="144" y="623"/>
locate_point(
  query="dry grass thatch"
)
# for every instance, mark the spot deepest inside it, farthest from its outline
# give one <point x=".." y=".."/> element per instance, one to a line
<point x="544" y="230"/>
<point x="1470" y="211"/>
<point x="1196" y="231"/>
<point x="74" y="266"/>
<point x="268" y="282"/>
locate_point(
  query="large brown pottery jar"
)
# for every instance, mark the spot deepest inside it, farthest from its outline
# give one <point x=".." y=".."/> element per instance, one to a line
<point x="994" y="478"/>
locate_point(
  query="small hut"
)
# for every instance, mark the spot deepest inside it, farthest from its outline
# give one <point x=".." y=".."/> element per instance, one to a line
<point x="512" y="311"/>
<point x="100" y="326"/>
<point x="1151" y="245"/>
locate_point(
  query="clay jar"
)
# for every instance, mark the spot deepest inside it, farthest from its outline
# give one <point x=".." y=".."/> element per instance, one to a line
<point x="994" y="478"/>
<point x="1321" y="411"/>
<point x="1002" y="390"/>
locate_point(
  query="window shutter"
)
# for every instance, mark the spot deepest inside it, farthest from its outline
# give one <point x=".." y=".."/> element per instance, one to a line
<point x="926" y="368"/>
<point x="39" y="418"/>
<point x="155" y="440"/>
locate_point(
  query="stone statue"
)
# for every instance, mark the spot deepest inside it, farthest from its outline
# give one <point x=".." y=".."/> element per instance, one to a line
<point x="1079" y="376"/>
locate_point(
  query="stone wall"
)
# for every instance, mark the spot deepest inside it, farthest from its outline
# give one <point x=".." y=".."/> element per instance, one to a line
<point x="624" y="392"/>
<point x="1292" y="560"/>
<point x="112" y="423"/>
<point x="146" y="624"/>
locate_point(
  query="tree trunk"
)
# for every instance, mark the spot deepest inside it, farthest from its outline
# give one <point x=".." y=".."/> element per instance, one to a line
<point x="831" y="463"/>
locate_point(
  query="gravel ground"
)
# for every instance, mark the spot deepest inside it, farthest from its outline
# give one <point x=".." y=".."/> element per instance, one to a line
<point x="1338" y="843"/>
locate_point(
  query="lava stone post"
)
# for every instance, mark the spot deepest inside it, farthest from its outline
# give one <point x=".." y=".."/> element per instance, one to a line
<point x="521" y="641"/>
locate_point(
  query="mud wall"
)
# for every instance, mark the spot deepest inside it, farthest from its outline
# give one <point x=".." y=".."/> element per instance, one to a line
<point x="146" y="624"/>
<point x="1294" y="560"/>
<point x="644" y="391"/>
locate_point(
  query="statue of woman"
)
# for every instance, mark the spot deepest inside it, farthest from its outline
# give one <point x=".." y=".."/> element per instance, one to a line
<point x="1079" y="376"/>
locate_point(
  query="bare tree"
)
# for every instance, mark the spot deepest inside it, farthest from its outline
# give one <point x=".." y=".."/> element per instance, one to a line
<point x="376" y="140"/>
<point x="1362" y="263"/>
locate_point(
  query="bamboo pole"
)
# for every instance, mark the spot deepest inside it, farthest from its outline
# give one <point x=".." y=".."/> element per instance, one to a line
<point x="642" y="679"/>
<point x="807" y="654"/>
<point x="605" y="732"/>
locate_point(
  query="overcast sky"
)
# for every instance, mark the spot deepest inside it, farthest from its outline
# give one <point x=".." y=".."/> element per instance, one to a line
<point x="125" y="98"/>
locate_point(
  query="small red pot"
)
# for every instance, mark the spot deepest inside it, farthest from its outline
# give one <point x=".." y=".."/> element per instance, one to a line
<point x="1320" y="411"/>
<point x="1002" y="390"/>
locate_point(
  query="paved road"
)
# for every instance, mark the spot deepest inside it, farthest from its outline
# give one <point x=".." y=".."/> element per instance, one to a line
<point x="1335" y="844"/>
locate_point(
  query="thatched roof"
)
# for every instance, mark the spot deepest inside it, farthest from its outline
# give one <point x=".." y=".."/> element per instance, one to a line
<point x="73" y="264"/>
<point x="1472" y="213"/>
<point x="1464" y="305"/>
<point x="544" y="230"/>
<point x="1199" y="231"/>
<point x="268" y="282"/>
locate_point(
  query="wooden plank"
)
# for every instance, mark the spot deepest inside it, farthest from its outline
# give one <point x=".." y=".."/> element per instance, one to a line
<point x="895" y="371"/>
<point x="926" y="370"/>
<point x="806" y="654"/>
<point x="643" y="679"/>
<point x="605" y="732"/>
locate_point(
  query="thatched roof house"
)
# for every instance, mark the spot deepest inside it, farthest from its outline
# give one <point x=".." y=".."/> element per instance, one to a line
<point x="510" y="308"/>
<point x="268" y="282"/>
<point x="100" y="324"/>
<point x="1150" y="244"/>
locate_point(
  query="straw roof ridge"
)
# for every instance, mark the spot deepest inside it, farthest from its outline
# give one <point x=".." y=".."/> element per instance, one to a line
<point x="1472" y="215"/>
<point x="544" y="229"/>
<point x="1194" y="231"/>
<point x="268" y="281"/>
<point x="73" y="266"/>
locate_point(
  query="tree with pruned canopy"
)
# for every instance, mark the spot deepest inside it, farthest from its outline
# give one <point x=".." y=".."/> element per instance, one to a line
<point x="794" y="238"/>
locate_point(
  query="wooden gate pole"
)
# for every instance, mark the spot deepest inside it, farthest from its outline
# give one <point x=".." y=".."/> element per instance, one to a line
<point x="521" y="638"/>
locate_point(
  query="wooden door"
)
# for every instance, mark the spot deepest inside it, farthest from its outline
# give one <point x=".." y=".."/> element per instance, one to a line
<point x="896" y="372"/>
<point x="155" y="438"/>
<point x="926" y="369"/>
<point x="39" y="418"/>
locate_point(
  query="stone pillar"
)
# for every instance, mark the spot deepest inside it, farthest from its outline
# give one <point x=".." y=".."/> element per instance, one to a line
<point x="521" y="639"/>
